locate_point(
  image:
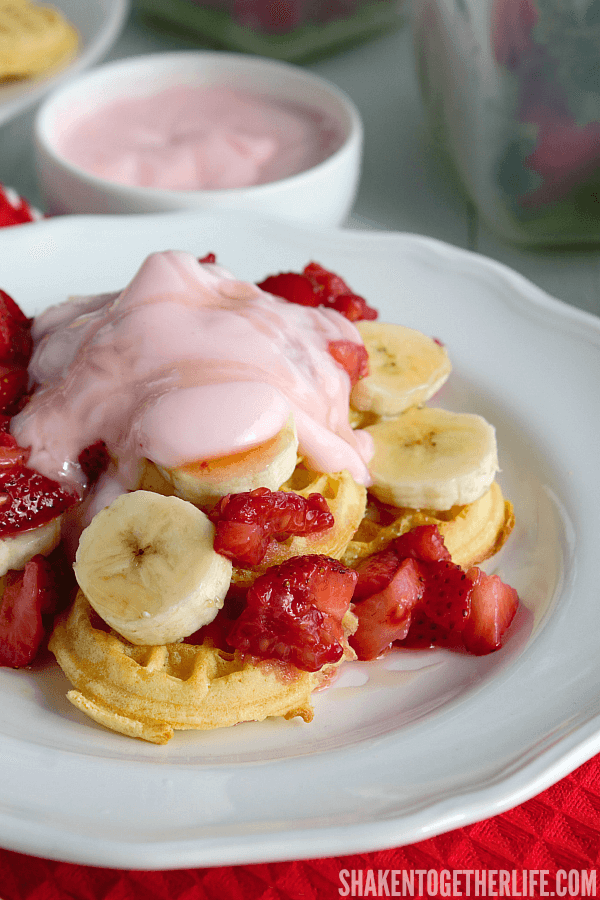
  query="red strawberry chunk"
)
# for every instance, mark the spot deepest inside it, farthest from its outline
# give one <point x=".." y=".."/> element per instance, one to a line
<point x="423" y="633"/>
<point x="266" y="515"/>
<point x="424" y="542"/>
<point x="15" y="332"/>
<point x="375" y="573"/>
<point x="385" y="617"/>
<point x="294" y="613"/>
<point x="292" y="287"/>
<point x="13" y="386"/>
<point x="334" y="292"/>
<point x="94" y="461"/>
<point x="11" y="455"/>
<point x="447" y="596"/>
<point x="209" y="258"/>
<point x="28" y="595"/>
<point x="351" y="357"/>
<point x="28" y="500"/>
<point x="493" y="607"/>
<point x="15" y="210"/>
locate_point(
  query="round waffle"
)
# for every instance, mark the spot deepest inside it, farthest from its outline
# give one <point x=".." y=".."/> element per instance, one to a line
<point x="472" y="533"/>
<point x="32" y="39"/>
<point x="148" y="692"/>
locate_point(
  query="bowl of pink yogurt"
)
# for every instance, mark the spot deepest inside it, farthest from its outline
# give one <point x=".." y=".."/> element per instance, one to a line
<point x="200" y="130"/>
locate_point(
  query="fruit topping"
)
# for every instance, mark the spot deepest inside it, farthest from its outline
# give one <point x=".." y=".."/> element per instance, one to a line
<point x="317" y="286"/>
<point x="247" y="523"/>
<point x="30" y="600"/>
<point x="28" y="500"/>
<point x="15" y="210"/>
<point x="424" y="542"/>
<point x="209" y="258"/>
<point x="385" y="616"/>
<point x="94" y="461"/>
<point x="493" y="607"/>
<point x="442" y="606"/>
<point x="351" y="357"/>
<point x="294" y="613"/>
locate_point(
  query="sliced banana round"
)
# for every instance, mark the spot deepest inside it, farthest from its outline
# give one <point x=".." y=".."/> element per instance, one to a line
<point x="406" y="368"/>
<point x="432" y="458"/>
<point x="17" y="550"/>
<point x="267" y="465"/>
<point x="146" y="564"/>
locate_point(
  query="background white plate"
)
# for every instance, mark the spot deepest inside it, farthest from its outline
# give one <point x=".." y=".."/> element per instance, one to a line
<point x="98" y="22"/>
<point x="402" y="748"/>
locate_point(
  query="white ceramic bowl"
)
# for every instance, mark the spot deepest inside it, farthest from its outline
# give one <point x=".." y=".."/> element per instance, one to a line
<point x="321" y="195"/>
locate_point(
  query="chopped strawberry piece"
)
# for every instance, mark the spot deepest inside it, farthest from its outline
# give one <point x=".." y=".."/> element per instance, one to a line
<point x="351" y="357"/>
<point x="267" y="515"/>
<point x="15" y="331"/>
<point x="28" y="500"/>
<point x="353" y="307"/>
<point x="447" y="596"/>
<point x="209" y="258"/>
<point x="424" y="633"/>
<point x="294" y="613"/>
<point x="11" y="455"/>
<point x="493" y="607"/>
<point x="13" y="386"/>
<point x="28" y="594"/>
<point x="94" y="461"/>
<point x="385" y="617"/>
<point x="15" y="210"/>
<point x="317" y="286"/>
<point x="424" y="542"/>
<point x="375" y="573"/>
<point x="292" y="287"/>
<point x="334" y="292"/>
<point x="245" y="543"/>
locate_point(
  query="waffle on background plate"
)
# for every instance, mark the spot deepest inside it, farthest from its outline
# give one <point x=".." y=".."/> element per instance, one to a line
<point x="33" y="39"/>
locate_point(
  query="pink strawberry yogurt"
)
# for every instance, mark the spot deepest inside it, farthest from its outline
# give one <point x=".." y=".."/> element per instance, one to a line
<point x="186" y="364"/>
<point x="199" y="138"/>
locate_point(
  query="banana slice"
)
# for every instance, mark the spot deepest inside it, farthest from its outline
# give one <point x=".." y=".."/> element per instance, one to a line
<point x="15" y="552"/>
<point x="267" y="465"/>
<point x="406" y="368"/>
<point x="146" y="564"/>
<point x="432" y="458"/>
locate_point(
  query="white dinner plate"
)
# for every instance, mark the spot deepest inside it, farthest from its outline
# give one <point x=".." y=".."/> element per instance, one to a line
<point x="99" y="23"/>
<point x="402" y="748"/>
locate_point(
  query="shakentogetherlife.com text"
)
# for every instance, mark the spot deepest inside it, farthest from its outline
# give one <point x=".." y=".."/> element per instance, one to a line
<point x="510" y="883"/>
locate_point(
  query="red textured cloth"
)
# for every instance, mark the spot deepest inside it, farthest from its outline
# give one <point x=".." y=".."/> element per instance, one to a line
<point x="558" y="831"/>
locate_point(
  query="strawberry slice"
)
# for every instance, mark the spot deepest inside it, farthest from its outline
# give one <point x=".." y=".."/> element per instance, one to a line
<point x="13" y="386"/>
<point x="385" y="617"/>
<point x="292" y="287"/>
<point x="375" y="573"/>
<point x="94" y="460"/>
<point x="493" y="607"/>
<point x="424" y="634"/>
<point x="247" y="522"/>
<point x="447" y="594"/>
<point x="28" y="500"/>
<point x="28" y="595"/>
<point x="15" y="332"/>
<point x="294" y="613"/>
<point x="11" y="455"/>
<point x="15" y="210"/>
<point x="351" y="357"/>
<point x="424" y="542"/>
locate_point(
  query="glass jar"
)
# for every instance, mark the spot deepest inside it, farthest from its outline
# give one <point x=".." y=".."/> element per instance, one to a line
<point x="513" y="88"/>
<point x="289" y="30"/>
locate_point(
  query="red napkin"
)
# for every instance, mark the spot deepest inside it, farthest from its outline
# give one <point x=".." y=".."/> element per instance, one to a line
<point x="15" y="210"/>
<point x="548" y="846"/>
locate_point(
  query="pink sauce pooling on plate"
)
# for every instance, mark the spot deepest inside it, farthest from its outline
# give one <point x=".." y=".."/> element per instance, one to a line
<point x="185" y="364"/>
<point x="199" y="138"/>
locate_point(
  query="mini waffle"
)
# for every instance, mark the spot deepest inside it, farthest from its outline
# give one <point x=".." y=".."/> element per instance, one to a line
<point x="148" y="692"/>
<point x="32" y="39"/>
